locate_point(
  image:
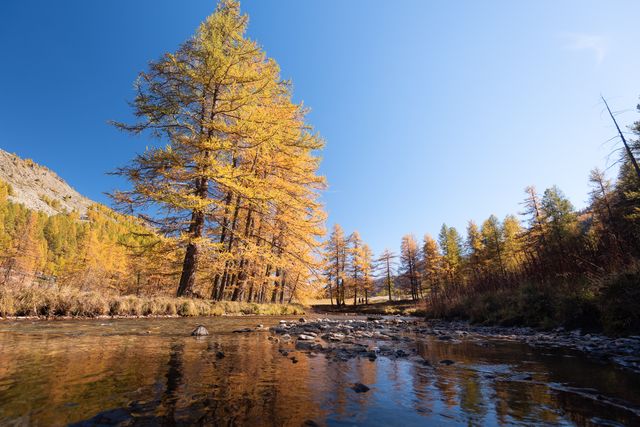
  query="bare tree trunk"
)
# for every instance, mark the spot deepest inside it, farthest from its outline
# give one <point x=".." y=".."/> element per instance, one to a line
<point x="190" y="263"/>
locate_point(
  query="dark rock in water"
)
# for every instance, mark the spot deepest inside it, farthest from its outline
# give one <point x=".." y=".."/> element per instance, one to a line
<point x="360" y="388"/>
<point x="308" y="345"/>
<point x="119" y="416"/>
<point x="302" y="320"/>
<point x="401" y="353"/>
<point x="310" y="423"/>
<point x="199" y="331"/>
<point x="445" y="338"/>
<point x="220" y="355"/>
<point x="447" y="362"/>
<point x="373" y="318"/>
<point x="522" y="377"/>
<point x="243" y="330"/>
<point x="294" y="359"/>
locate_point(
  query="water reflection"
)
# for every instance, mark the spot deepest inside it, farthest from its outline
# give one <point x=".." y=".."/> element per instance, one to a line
<point x="150" y="372"/>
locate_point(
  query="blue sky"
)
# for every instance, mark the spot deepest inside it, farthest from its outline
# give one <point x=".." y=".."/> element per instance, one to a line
<point x="432" y="111"/>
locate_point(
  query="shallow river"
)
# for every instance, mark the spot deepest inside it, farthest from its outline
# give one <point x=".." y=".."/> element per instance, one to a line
<point x="151" y="372"/>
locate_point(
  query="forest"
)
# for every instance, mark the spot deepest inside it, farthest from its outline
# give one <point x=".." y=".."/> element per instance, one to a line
<point x="551" y="265"/>
<point x="226" y="207"/>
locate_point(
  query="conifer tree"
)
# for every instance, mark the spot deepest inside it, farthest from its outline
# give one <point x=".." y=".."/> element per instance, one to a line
<point x="236" y="179"/>
<point x="432" y="265"/>
<point x="409" y="262"/>
<point x="451" y="246"/>
<point x="493" y="239"/>
<point x="336" y="260"/>
<point x="386" y="265"/>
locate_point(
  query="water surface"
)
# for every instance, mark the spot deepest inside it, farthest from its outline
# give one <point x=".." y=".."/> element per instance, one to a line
<point x="150" y="372"/>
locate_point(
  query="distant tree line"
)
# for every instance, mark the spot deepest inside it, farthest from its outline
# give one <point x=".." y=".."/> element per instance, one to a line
<point x="554" y="264"/>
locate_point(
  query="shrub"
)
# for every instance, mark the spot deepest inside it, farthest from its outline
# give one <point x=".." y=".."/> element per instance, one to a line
<point x="187" y="308"/>
<point x="620" y="303"/>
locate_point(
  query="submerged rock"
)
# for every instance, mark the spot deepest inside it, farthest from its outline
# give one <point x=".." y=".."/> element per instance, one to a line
<point x="447" y="362"/>
<point x="360" y="388"/>
<point x="308" y="345"/>
<point x="220" y="355"/>
<point x="199" y="331"/>
<point x="522" y="377"/>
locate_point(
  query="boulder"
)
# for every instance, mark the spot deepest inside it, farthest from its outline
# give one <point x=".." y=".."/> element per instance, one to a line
<point x="199" y="331"/>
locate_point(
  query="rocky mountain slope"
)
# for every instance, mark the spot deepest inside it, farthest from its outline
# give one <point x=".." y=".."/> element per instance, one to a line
<point x="38" y="188"/>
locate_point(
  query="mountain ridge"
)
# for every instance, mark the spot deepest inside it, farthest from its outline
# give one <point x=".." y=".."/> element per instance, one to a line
<point x="39" y="188"/>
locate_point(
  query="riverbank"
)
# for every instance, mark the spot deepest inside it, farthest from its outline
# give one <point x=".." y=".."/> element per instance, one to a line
<point x="64" y="302"/>
<point x="608" y="304"/>
<point x="346" y="339"/>
<point x="382" y="308"/>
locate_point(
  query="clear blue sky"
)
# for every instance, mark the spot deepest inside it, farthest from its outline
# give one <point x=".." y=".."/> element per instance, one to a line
<point x="433" y="111"/>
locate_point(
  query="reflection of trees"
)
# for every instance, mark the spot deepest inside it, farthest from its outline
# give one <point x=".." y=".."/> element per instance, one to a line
<point x="57" y="378"/>
<point x="472" y="400"/>
<point x="174" y="380"/>
<point x="521" y="400"/>
<point x="75" y="373"/>
<point x="422" y="378"/>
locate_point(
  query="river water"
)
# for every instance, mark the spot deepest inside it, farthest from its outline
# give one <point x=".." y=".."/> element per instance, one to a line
<point x="151" y="372"/>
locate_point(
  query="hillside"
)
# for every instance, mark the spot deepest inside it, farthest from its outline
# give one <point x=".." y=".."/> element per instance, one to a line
<point x="38" y="188"/>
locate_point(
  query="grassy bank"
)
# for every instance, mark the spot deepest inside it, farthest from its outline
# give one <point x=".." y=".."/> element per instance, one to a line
<point x="68" y="302"/>
<point x="607" y="305"/>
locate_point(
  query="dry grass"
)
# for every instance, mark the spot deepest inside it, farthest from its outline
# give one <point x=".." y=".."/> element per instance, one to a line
<point x="33" y="301"/>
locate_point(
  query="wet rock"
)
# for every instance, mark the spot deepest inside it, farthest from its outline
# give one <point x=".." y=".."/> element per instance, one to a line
<point x="447" y="362"/>
<point x="305" y="337"/>
<point x="310" y="423"/>
<point x="242" y="331"/>
<point x="302" y="320"/>
<point x="522" y="377"/>
<point x="308" y="345"/>
<point x="199" y="331"/>
<point x="445" y="337"/>
<point x="335" y="337"/>
<point x="401" y="353"/>
<point x="294" y="359"/>
<point x="360" y="388"/>
<point x="220" y="355"/>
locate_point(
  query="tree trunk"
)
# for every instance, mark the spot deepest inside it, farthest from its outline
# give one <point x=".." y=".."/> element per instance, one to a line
<point x="190" y="263"/>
